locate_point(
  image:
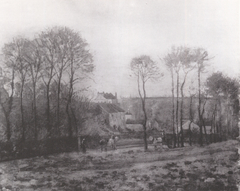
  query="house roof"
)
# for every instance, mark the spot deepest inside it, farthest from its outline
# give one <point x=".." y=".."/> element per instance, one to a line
<point x="194" y="127"/>
<point x="104" y="97"/>
<point x="110" y="108"/>
<point x="186" y="126"/>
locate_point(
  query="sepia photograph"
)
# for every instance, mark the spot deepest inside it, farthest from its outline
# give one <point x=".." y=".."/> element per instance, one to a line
<point x="119" y="95"/>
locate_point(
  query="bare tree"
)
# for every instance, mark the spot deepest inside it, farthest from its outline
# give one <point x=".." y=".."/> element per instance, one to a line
<point x="170" y="65"/>
<point x="62" y="63"/>
<point x="185" y="57"/>
<point x="48" y="45"/>
<point x="178" y="61"/>
<point x="144" y="69"/>
<point x="6" y="99"/>
<point x="200" y="57"/>
<point x="192" y="94"/>
<point x="80" y="109"/>
<point x="14" y="54"/>
<point x="34" y="57"/>
<point x="79" y="66"/>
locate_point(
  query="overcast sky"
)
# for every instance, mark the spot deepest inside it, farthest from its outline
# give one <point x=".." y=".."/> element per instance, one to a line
<point x="119" y="30"/>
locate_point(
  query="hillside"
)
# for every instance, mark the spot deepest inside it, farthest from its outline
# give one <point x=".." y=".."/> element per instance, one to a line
<point x="214" y="167"/>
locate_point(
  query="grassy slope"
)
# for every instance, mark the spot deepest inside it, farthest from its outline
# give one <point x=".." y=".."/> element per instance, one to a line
<point x="213" y="167"/>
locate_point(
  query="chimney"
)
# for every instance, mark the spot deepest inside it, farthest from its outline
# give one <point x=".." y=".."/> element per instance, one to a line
<point x="115" y="95"/>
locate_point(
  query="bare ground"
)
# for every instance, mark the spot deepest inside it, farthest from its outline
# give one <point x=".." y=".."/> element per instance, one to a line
<point x="213" y="167"/>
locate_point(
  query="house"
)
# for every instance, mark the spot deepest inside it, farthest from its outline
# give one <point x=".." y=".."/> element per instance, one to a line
<point x="104" y="119"/>
<point x="114" y="115"/>
<point x="128" y="116"/>
<point x="106" y="98"/>
<point x="194" y="127"/>
<point x="135" y="127"/>
<point x="208" y="130"/>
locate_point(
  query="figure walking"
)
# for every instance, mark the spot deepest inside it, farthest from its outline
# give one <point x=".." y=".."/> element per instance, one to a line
<point x="112" y="141"/>
<point x="103" y="144"/>
<point x="83" y="145"/>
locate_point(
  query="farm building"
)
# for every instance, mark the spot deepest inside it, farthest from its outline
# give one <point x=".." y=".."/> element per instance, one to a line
<point x="134" y="127"/>
<point x="114" y="115"/>
<point x="104" y="119"/>
<point x="193" y="127"/>
<point x="128" y="116"/>
<point x="106" y="98"/>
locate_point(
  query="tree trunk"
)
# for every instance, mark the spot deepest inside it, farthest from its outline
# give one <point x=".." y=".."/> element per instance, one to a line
<point x="190" y="133"/>
<point x="199" y="106"/>
<point x="8" y="125"/>
<point x="205" y="132"/>
<point x="181" y="123"/>
<point x="75" y="124"/>
<point x="22" y="114"/>
<point x="173" y="110"/>
<point x="69" y="100"/>
<point x="58" y="102"/>
<point x="69" y="120"/>
<point x="35" y="112"/>
<point x="8" y="112"/>
<point x="191" y="120"/>
<point x="145" y="119"/>
<point x="48" y="112"/>
<point x="181" y="110"/>
<point x="145" y="129"/>
<point x="177" y="109"/>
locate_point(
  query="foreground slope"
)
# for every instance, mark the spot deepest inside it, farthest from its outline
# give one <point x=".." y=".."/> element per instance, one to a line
<point x="214" y="167"/>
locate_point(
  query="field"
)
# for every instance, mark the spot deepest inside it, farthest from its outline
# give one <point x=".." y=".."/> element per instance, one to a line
<point x="213" y="167"/>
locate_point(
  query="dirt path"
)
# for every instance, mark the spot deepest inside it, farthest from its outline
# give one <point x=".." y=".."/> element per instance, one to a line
<point x="213" y="167"/>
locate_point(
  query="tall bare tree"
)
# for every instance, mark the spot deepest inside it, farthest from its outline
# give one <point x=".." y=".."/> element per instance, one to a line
<point x="185" y="58"/>
<point x="6" y="99"/>
<point x="79" y="66"/>
<point x="34" y="57"/>
<point x="169" y="61"/>
<point x="62" y="46"/>
<point x="144" y="69"/>
<point x="178" y="61"/>
<point x="14" y="54"/>
<point x="48" y="44"/>
<point x="200" y="58"/>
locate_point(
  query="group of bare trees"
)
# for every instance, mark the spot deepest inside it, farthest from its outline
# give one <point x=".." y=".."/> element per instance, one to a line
<point x="41" y="77"/>
<point x="218" y="89"/>
<point x="180" y="61"/>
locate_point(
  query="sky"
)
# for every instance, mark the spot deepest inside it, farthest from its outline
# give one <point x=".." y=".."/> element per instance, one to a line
<point x="119" y="30"/>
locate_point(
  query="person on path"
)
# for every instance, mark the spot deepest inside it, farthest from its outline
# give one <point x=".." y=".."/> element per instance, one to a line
<point x="155" y="143"/>
<point x="83" y="145"/>
<point x="113" y="142"/>
<point x="103" y="144"/>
